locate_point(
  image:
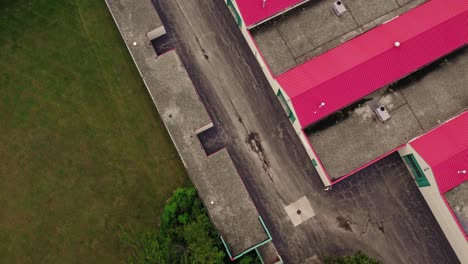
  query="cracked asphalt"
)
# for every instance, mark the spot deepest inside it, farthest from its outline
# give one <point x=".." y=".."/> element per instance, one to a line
<point x="379" y="210"/>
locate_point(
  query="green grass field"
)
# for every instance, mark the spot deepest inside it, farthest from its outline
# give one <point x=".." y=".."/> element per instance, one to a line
<point x="83" y="152"/>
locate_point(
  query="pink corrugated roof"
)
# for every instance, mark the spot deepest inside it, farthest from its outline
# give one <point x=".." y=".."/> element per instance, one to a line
<point x="253" y="12"/>
<point x="445" y="149"/>
<point x="370" y="61"/>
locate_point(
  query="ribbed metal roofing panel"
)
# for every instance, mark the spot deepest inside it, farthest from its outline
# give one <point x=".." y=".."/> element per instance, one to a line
<point x="253" y="11"/>
<point x="445" y="149"/>
<point x="370" y="61"/>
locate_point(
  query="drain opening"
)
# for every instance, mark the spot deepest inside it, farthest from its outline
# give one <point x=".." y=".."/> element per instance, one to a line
<point x="210" y="140"/>
<point x="162" y="44"/>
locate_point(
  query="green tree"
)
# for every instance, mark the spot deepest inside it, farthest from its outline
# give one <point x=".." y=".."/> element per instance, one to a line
<point x="186" y="235"/>
<point x="357" y="258"/>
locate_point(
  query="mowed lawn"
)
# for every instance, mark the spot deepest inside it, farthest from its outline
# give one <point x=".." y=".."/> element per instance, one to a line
<point x="84" y="155"/>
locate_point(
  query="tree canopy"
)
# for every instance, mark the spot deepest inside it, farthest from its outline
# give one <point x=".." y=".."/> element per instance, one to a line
<point x="186" y="235"/>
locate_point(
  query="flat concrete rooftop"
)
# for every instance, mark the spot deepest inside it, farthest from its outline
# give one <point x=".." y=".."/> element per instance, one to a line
<point x="220" y="187"/>
<point x="458" y="200"/>
<point x="229" y="204"/>
<point x="134" y="20"/>
<point x="313" y="29"/>
<point x="353" y="137"/>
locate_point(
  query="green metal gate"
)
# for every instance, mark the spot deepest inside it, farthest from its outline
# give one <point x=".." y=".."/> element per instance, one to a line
<point x="285" y="105"/>
<point x="234" y="12"/>
<point x="418" y="173"/>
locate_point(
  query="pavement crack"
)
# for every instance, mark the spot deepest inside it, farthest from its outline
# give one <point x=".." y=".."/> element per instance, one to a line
<point x="205" y="54"/>
<point x="236" y="54"/>
<point x="239" y="118"/>
<point x="380" y="226"/>
<point x="254" y="141"/>
<point x="344" y="223"/>
<point x="366" y="227"/>
<point x="375" y="222"/>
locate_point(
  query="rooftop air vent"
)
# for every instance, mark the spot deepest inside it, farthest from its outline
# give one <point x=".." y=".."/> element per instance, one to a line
<point x="338" y="8"/>
<point x="382" y="113"/>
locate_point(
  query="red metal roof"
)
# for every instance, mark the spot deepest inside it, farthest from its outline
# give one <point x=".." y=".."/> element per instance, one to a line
<point x="253" y="12"/>
<point x="445" y="149"/>
<point x="343" y="75"/>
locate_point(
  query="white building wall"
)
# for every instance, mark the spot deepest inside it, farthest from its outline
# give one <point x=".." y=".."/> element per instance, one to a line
<point x="440" y="208"/>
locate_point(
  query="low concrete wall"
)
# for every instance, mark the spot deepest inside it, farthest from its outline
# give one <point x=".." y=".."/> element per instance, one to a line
<point x="156" y="33"/>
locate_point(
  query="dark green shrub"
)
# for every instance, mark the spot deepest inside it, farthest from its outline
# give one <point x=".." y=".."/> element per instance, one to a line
<point x="186" y="235"/>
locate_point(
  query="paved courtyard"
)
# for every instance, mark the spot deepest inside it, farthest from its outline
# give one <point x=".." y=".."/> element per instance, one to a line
<point x="312" y="29"/>
<point x="416" y="104"/>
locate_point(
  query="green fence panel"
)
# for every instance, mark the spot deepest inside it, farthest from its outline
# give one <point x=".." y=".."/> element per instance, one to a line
<point x="251" y="248"/>
<point x="234" y="11"/>
<point x="285" y="105"/>
<point x="418" y="173"/>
